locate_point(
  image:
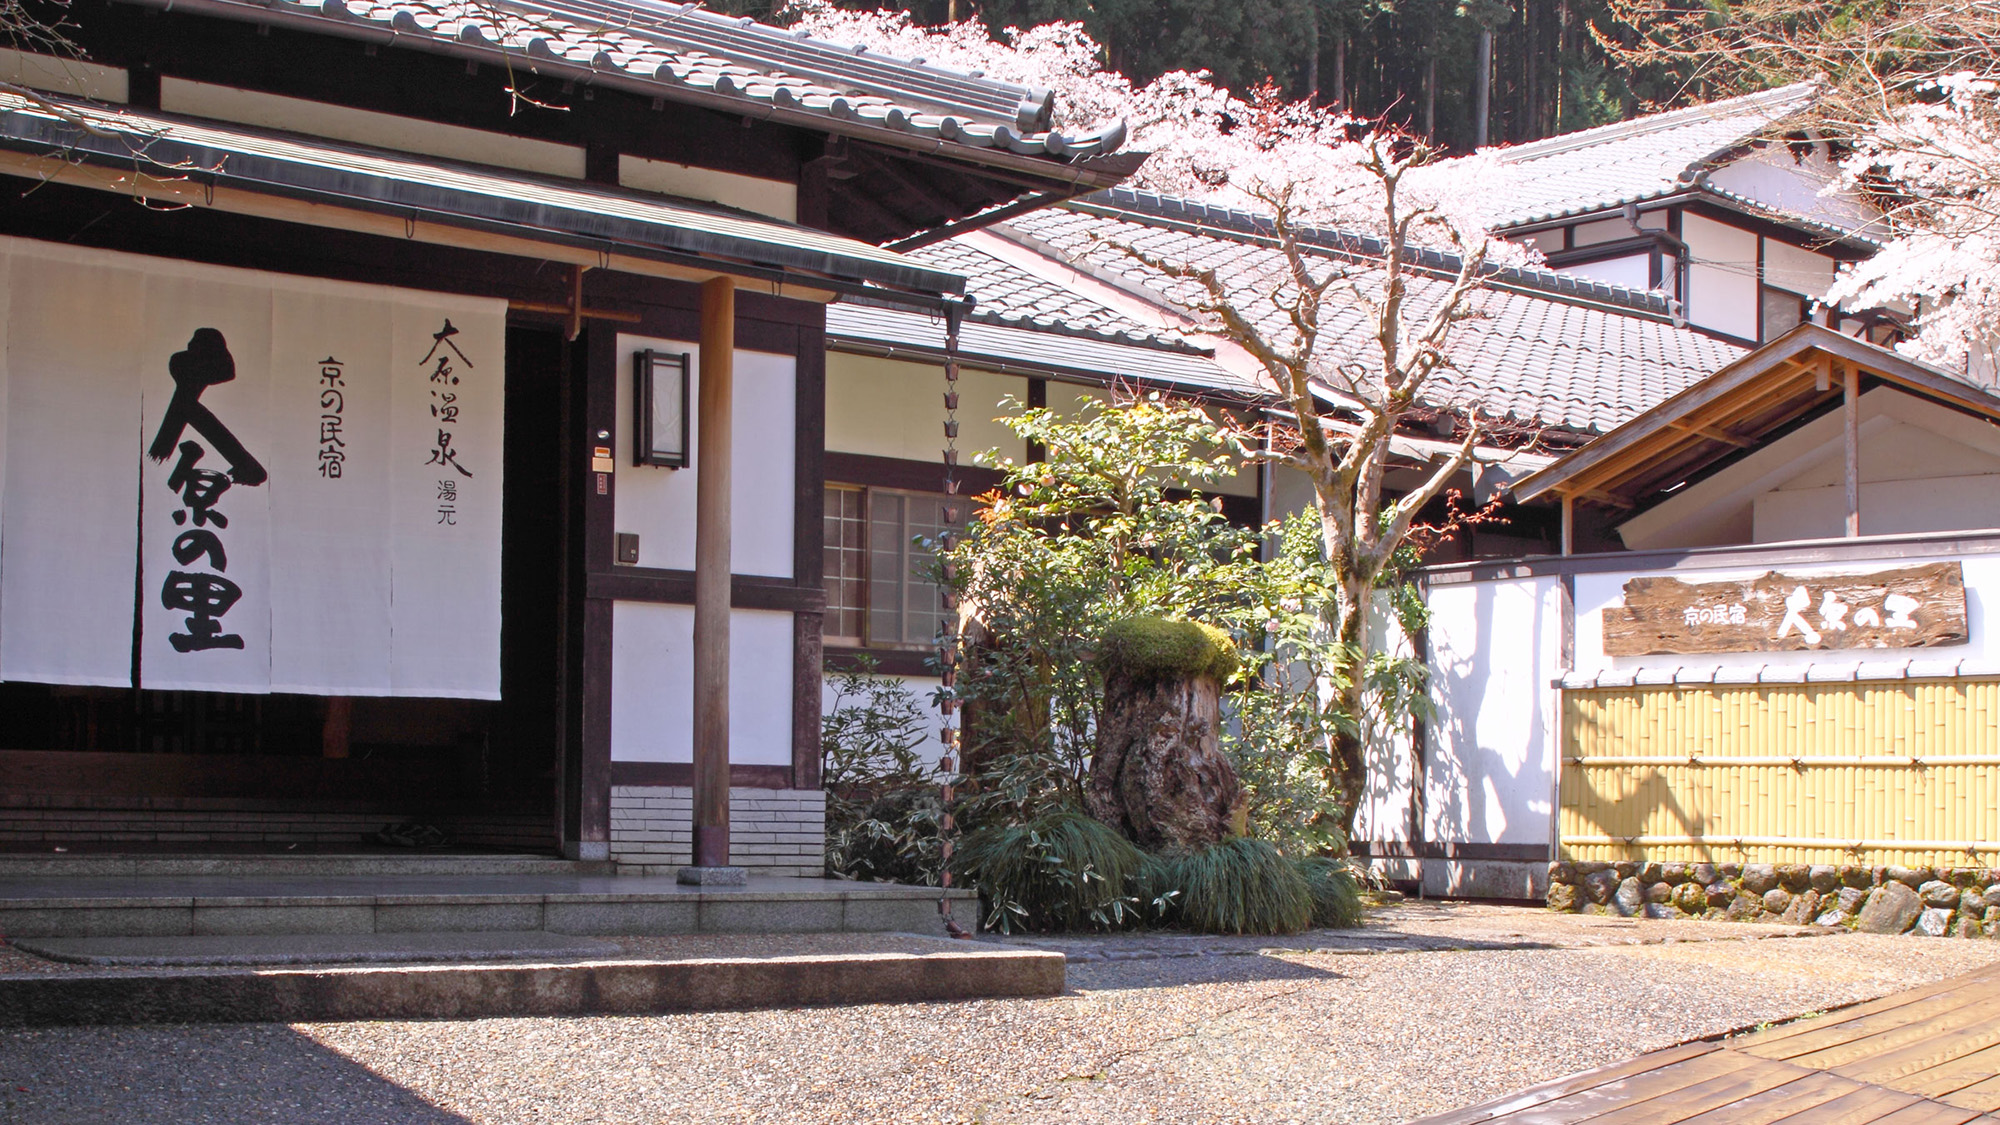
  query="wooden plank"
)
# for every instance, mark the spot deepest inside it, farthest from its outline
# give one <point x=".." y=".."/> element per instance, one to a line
<point x="1765" y="1043"/>
<point x="1980" y="1095"/>
<point x="1930" y="1113"/>
<point x="1851" y="446"/>
<point x="1955" y="1075"/>
<point x="1722" y="1092"/>
<point x="1891" y="1058"/>
<point x="1808" y="1091"/>
<point x="1888" y="1031"/>
<point x="1638" y="1090"/>
<point x="1861" y="1107"/>
<point x="1569" y="1084"/>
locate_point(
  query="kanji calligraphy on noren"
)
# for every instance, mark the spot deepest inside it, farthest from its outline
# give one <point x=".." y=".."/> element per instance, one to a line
<point x="243" y="481"/>
<point x="1910" y="607"/>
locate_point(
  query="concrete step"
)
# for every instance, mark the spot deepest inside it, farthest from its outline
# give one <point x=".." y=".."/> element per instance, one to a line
<point x="314" y="949"/>
<point x="163" y="905"/>
<point x="141" y="865"/>
<point x="942" y="971"/>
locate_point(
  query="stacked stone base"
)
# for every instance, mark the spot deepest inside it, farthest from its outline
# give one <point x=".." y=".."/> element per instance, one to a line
<point x="771" y="831"/>
<point x="1937" y="902"/>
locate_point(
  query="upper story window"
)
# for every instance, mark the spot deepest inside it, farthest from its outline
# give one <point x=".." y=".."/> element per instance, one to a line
<point x="880" y="588"/>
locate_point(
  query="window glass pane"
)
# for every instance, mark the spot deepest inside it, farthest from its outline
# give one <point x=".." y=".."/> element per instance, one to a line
<point x="1782" y="312"/>
<point x="842" y="563"/>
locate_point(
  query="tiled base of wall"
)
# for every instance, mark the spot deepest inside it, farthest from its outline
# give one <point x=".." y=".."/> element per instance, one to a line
<point x="771" y="831"/>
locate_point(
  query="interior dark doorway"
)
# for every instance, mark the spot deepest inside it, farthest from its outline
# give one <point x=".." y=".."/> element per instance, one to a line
<point x="114" y="769"/>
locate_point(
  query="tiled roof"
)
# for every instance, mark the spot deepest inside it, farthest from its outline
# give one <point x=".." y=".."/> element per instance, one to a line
<point x="1543" y="357"/>
<point x="1633" y="161"/>
<point x="874" y="330"/>
<point x="1005" y="294"/>
<point x="601" y="219"/>
<point x="682" y="52"/>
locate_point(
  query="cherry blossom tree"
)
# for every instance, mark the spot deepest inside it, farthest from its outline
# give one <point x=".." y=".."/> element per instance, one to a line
<point x="1353" y="393"/>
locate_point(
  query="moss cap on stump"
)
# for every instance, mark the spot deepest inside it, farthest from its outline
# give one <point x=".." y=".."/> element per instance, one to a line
<point x="1162" y="648"/>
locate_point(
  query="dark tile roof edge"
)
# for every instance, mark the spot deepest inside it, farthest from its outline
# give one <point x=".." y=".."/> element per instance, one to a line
<point x="1152" y="209"/>
<point x="986" y="130"/>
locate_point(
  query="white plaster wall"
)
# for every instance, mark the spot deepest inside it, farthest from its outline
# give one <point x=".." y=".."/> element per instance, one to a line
<point x="1596" y="592"/>
<point x="929" y="748"/>
<point x="1801" y="271"/>
<point x="1384" y="814"/>
<point x="64" y="76"/>
<point x="1634" y="271"/>
<point x="775" y="198"/>
<point x="1496" y="648"/>
<point x="658" y="504"/>
<point x="889" y="408"/>
<point x="1721" y="276"/>
<point x="652" y="684"/>
<point x="1774" y="176"/>
<point x="360" y="126"/>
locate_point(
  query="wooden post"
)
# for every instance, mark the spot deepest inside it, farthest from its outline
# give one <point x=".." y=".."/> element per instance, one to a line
<point x="337" y="727"/>
<point x="1851" y="410"/>
<point x="1569" y="523"/>
<point x="711" y="575"/>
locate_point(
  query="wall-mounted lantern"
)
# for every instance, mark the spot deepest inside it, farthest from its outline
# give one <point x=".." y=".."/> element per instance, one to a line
<point x="660" y="408"/>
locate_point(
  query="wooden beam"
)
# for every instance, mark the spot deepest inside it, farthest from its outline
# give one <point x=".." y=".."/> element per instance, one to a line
<point x="1568" y="524"/>
<point x="1600" y="496"/>
<point x="711" y="573"/>
<point x="1714" y="433"/>
<point x="1851" y="445"/>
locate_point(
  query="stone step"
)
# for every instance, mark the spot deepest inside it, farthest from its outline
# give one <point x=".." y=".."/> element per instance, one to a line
<point x="143" y="906"/>
<point x="942" y="971"/>
<point x="314" y="949"/>
<point x="138" y="865"/>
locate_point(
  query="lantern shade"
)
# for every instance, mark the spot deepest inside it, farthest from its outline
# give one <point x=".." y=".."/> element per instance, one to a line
<point x="660" y="409"/>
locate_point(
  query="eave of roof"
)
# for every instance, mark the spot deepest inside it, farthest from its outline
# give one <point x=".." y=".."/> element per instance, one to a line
<point x="169" y="150"/>
<point x="1754" y="389"/>
<point x="902" y="334"/>
<point x="684" y="54"/>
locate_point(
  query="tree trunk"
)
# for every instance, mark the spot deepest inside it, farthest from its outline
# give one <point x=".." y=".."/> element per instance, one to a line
<point x="1430" y="99"/>
<point x="1482" y="102"/>
<point x="1312" y="54"/>
<point x="1158" y="774"/>
<point x="1350" y="760"/>
<point x="1340" y="70"/>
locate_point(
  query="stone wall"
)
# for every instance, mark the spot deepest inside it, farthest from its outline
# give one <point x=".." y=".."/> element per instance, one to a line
<point x="771" y="831"/>
<point x="1942" y="902"/>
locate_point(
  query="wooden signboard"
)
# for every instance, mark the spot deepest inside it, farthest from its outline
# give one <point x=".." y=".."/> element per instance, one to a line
<point x="1913" y="607"/>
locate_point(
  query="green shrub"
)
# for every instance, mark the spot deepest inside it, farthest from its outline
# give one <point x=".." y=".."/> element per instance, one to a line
<point x="883" y="805"/>
<point x="1239" y="886"/>
<point x="1062" y="871"/>
<point x="1336" y="892"/>
<point x="1157" y="648"/>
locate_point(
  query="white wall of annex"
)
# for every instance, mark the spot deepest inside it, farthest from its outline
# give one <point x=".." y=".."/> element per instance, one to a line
<point x="657" y="504"/>
<point x="652" y="684"/>
<point x="929" y="747"/>
<point x="1774" y="176"/>
<point x="1721" y="276"/>
<point x="892" y="408"/>
<point x="1495" y="649"/>
<point x="1633" y="271"/>
<point x="1597" y="592"/>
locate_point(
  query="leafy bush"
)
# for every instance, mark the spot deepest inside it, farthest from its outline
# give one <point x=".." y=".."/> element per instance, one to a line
<point x="1062" y="871"/>
<point x="1336" y="892"/>
<point x="883" y="805"/>
<point x="1239" y="886"/>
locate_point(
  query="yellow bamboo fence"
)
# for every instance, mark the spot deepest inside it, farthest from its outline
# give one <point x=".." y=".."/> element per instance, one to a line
<point x="1901" y="773"/>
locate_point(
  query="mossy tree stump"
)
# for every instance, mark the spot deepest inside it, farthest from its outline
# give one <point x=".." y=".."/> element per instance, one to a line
<point x="1158" y="773"/>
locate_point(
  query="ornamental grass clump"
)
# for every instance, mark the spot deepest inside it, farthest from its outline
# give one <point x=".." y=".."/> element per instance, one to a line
<point x="1239" y="886"/>
<point x="1063" y="871"/>
<point x="1336" y="892"/>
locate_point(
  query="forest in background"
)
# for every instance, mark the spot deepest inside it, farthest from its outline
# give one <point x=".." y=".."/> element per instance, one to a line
<point x="1415" y="63"/>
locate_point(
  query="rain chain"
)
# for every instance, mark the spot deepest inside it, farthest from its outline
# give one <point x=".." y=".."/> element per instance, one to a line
<point x="947" y="646"/>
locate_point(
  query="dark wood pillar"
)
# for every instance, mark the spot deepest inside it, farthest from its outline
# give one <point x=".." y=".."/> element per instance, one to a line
<point x="711" y="574"/>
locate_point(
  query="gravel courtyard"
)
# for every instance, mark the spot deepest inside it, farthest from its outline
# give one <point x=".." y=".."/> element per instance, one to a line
<point x="1430" y="1008"/>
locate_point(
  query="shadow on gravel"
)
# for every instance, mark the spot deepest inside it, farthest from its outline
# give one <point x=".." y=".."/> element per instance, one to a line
<point x="195" y="1075"/>
<point x="1172" y="972"/>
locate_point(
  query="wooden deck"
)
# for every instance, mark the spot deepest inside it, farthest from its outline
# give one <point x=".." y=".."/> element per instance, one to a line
<point x="1930" y="1056"/>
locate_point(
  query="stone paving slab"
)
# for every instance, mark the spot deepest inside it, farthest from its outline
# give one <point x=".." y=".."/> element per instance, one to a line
<point x="315" y="949"/>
